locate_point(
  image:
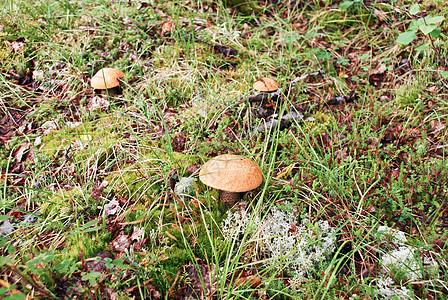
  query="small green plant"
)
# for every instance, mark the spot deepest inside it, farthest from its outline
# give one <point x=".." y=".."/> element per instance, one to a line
<point x="428" y="26"/>
<point x="348" y="4"/>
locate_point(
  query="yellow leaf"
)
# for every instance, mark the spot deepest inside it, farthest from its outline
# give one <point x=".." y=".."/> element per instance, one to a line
<point x="343" y="75"/>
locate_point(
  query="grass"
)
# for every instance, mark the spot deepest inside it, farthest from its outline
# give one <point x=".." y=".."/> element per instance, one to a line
<point x="87" y="202"/>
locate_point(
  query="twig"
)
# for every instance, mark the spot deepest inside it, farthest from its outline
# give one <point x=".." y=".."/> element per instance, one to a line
<point x="318" y="72"/>
<point x="29" y="282"/>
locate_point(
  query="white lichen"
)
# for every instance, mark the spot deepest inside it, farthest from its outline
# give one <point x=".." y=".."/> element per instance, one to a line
<point x="385" y="290"/>
<point x="283" y="242"/>
<point x="405" y="260"/>
<point x="186" y="186"/>
<point x="400" y="256"/>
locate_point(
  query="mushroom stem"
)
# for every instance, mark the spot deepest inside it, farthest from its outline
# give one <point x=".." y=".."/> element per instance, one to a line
<point x="229" y="198"/>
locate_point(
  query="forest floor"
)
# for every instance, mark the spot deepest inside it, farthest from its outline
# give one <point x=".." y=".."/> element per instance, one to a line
<point x="100" y="196"/>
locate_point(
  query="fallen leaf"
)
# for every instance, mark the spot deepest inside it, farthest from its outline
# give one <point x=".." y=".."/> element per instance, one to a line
<point x="30" y="218"/>
<point x="193" y="168"/>
<point x="139" y="245"/>
<point x="38" y="141"/>
<point x="99" y="265"/>
<point x="97" y="189"/>
<point x="341" y="155"/>
<point x="97" y="103"/>
<point x="170" y="235"/>
<point x="199" y="276"/>
<point x="6" y="228"/>
<point x="19" y="153"/>
<point x="160" y="12"/>
<point x="48" y="127"/>
<point x="111" y="293"/>
<point x="120" y="243"/>
<point x="179" y="141"/>
<point x="253" y="281"/>
<point x="16" y="46"/>
<point x="151" y="290"/>
<point x="8" y="285"/>
<point x="112" y="207"/>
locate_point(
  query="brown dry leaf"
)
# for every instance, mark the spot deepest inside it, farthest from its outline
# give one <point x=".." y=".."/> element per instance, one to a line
<point x="97" y="103"/>
<point x="97" y="189"/>
<point x="112" y="207"/>
<point x="179" y="141"/>
<point x="437" y="127"/>
<point x="48" y="127"/>
<point x="396" y="173"/>
<point x="95" y="265"/>
<point x="170" y="235"/>
<point x="412" y="132"/>
<point x="142" y="5"/>
<point x="124" y="46"/>
<point x="19" y="153"/>
<point x="16" y="46"/>
<point x="160" y="12"/>
<point x="169" y="113"/>
<point x="120" y="243"/>
<point x="7" y="285"/>
<point x="324" y="141"/>
<point x="193" y="168"/>
<point x="252" y="280"/>
<point x="381" y="15"/>
<point x="195" y="289"/>
<point x="133" y="57"/>
<point x="377" y="75"/>
<point x="341" y="155"/>
<point x="371" y="209"/>
<point x="135" y="291"/>
<point x="6" y="227"/>
<point x="139" y="245"/>
<point x="111" y="293"/>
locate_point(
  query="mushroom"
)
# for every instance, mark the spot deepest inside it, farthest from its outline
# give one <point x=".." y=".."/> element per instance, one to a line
<point x="232" y="174"/>
<point x="106" y="78"/>
<point x="167" y="27"/>
<point x="266" y="84"/>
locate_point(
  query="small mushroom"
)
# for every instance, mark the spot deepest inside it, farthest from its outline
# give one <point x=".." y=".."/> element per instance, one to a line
<point x="232" y="174"/>
<point x="167" y="27"/>
<point x="106" y="78"/>
<point x="266" y="84"/>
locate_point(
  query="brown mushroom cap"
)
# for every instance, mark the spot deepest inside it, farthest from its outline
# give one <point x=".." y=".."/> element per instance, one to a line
<point x="231" y="173"/>
<point x="266" y="84"/>
<point x="106" y="78"/>
<point x="168" y="27"/>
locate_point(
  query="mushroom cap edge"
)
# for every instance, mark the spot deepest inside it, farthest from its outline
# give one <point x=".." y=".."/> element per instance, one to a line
<point x="231" y="173"/>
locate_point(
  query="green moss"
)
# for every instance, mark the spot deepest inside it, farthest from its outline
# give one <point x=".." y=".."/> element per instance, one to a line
<point x="204" y="247"/>
<point x="93" y="140"/>
<point x="61" y="205"/>
<point x="245" y="7"/>
<point x="323" y="118"/>
<point x="177" y="257"/>
<point x="86" y="243"/>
